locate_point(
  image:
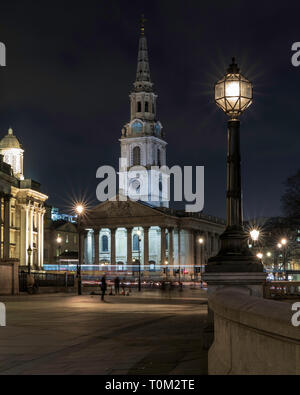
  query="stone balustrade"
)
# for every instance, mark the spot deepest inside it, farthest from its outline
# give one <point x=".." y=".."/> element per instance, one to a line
<point x="252" y="335"/>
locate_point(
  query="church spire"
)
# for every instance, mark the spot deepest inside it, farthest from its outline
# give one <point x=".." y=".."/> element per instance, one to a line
<point x="143" y="79"/>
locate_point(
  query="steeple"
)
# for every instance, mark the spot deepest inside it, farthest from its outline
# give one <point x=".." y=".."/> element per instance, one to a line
<point x="143" y="79"/>
<point x="143" y="141"/>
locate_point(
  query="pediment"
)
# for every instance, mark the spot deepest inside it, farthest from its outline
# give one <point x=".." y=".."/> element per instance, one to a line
<point x="123" y="209"/>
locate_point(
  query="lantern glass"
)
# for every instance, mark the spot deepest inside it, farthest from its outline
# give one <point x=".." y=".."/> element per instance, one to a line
<point x="233" y="93"/>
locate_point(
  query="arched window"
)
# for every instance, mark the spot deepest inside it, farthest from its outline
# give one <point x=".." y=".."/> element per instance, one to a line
<point x="137" y="127"/>
<point x="136" y="156"/>
<point x="135" y="244"/>
<point x="104" y="243"/>
<point x="146" y="106"/>
<point x="139" y="107"/>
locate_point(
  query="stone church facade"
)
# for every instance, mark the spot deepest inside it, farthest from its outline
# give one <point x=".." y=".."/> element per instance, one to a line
<point x="119" y="234"/>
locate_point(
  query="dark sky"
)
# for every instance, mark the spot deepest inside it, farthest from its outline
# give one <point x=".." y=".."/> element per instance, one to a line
<point x="70" y="69"/>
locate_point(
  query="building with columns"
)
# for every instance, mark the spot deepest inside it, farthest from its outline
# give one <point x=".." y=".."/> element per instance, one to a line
<point x="120" y="234"/>
<point x="22" y="207"/>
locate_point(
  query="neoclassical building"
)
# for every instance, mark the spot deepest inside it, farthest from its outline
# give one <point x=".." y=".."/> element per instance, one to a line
<point x="119" y="234"/>
<point x="22" y="207"/>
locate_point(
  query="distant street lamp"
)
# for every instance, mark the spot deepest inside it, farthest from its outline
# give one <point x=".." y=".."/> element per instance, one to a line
<point x="234" y="94"/>
<point x="201" y="242"/>
<point x="29" y="252"/>
<point x="254" y="235"/>
<point x="80" y="209"/>
<point x="59" y="241"/>
<point x="260" y="256"/>
<point x="283" y="246"/>
<point x="139" y="233"/>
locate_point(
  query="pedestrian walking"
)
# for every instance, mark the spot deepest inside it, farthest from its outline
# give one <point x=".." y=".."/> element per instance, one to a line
<point x="117" y="286"/>
<point x="103" y="286"/>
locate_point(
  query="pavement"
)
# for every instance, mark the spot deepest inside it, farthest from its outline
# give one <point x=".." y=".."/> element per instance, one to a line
<point x="155" y="332"/>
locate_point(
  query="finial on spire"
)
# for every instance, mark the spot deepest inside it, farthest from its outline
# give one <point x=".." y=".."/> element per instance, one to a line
<point x="143" y="22"/>
<point x="10" y="131"/>
<point x="233" y="68"/>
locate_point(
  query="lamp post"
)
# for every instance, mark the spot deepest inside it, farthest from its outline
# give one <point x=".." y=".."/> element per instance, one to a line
<point x="80" y="209"/>
<point x="234" y="94"/>
<point x="59" y="241"/>
<point x="201" y="242"/>
<point x="29" y="252"/>
<point x="283" y="244"/>
<point x="139" y="233"/>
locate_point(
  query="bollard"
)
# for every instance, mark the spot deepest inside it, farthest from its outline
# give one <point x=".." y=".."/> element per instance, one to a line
<point x="2" y="314"/>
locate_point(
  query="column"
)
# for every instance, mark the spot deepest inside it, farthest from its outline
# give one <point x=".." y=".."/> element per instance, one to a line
<point x="129" y="246"/>
<point x="171" y="247"/>
<point x="96" y="245"/>
<point x="163" y="245"/>
<point x="42" y="238"/>
<point x="112" y="246"/>
<point x="39" y="225"/>
<point x="146" y="246"/>
<point x="6" y="227"/>
<point x="1" y="223"/>
<point x="179" y="249"/>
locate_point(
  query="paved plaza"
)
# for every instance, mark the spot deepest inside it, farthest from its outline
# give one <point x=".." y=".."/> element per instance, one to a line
<point x="156" y="332"/>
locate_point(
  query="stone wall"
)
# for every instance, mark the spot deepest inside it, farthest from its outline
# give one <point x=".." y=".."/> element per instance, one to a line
<point x="252" y="336"/>
<point x="9" y="278"/>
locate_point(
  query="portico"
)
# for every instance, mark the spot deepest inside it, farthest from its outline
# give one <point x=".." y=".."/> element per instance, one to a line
<point x="169" y="238"/>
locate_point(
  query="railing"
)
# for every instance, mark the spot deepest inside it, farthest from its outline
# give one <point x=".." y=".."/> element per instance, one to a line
<point x="46" y="280"/>
<point x="282" y="290"/>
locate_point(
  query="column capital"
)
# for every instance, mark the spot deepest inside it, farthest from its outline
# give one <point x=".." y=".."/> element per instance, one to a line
<point x="96" y="231"/>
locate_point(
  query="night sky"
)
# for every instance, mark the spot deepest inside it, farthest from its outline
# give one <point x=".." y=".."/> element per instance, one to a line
<point x="70" y="69"/>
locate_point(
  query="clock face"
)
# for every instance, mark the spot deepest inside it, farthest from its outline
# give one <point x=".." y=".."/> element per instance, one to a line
<point x="137" y="127"/>
<point x="135" y="186"/>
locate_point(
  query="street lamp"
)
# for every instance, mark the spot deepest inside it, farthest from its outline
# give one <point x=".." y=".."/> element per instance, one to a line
<point x="29" y="252"/>
<point x="255" y="234"/>
<point x="283" y="245"/>
<point x="139" y="233"/>
<point x="234" y="94"/>
<point x="201" y="242"/>
<point x="79" y="209"/>
<point x="59" y="241"/>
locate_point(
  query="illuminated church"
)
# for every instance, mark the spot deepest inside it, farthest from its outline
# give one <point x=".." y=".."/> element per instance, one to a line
<point x="119" y="233"/>
<point x="21" y="208"/>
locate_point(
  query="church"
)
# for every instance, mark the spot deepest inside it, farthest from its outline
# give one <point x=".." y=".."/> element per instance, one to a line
<point x="119" y="235"/>
<point x="22" y="208"/>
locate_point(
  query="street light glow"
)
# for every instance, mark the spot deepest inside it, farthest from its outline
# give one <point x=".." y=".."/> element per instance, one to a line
<point x="201" y="241"/>
<point x="59" y="240"/>
<point x="79" y="209"/>
<point x="284" y="242"/>
<point x="139" y="233"/>
<point x="260" y="255"/>
<point x="279" y="245"/>
<point x="255" y="234"/>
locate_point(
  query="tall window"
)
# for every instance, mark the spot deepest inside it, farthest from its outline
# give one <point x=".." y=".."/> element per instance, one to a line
<point x="104" y="243"/>
<point x="146" y="106"/>
<point x="136" y="156"/>
<point x="135" y="246"/>
<point x="139" y="107"/>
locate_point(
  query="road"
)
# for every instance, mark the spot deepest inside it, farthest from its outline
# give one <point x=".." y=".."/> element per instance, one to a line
<point x="152" y="333"/>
